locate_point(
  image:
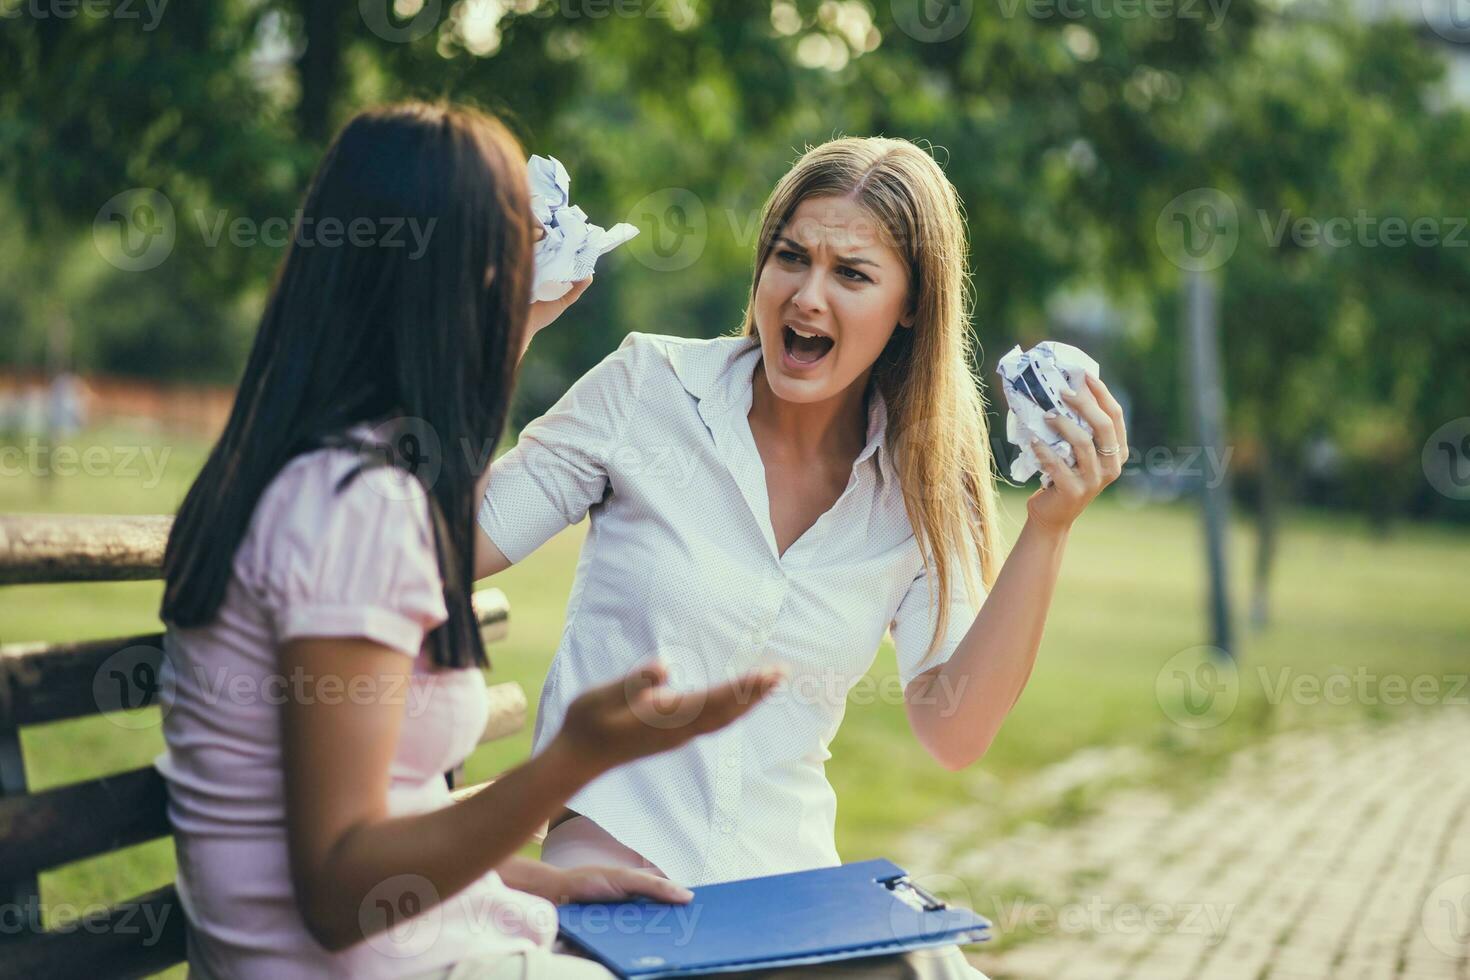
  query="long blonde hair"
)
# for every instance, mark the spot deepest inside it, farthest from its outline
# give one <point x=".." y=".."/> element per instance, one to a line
<point x="937" y="432"/>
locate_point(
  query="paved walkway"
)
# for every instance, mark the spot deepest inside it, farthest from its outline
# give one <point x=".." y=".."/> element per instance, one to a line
<point x="1341" y="855"/>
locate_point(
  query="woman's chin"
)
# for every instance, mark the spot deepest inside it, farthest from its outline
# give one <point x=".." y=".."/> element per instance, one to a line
<point x="800" y="386"/>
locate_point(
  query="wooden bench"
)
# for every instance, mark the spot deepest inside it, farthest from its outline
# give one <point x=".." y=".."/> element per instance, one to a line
<point x="42" y="683"/>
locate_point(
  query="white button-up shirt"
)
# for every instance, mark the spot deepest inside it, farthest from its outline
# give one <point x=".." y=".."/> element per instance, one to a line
<point x="655" y="445"/>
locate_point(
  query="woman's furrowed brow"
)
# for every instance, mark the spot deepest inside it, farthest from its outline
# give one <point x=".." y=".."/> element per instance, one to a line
<point x="844" y="259"/>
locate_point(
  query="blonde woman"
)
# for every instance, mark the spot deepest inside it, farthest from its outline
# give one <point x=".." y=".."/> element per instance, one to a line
<point x="792" y="494"/>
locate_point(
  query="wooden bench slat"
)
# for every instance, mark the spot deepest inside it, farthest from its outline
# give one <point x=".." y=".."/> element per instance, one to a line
<point x="136" y="938"/>
<point x="41" y="548"/>
<point x="41" y="682"/>
<point x="48" y="829"/>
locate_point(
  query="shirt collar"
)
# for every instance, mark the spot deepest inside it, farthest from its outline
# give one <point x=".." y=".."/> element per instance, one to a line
<point x="718" y="372"/>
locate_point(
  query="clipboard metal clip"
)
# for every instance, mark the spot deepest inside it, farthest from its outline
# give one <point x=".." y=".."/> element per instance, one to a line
<point x="914" y="896"/>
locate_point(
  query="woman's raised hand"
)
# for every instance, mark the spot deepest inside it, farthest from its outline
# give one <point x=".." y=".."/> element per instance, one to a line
<point x="1099" y="457"/>
<point x="545" y="311"/>
<point x="640" y="715"/>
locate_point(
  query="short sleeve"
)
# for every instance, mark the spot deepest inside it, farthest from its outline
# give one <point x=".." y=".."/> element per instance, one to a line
<point x="358" y="561"/>
<point x="914" y="624"/>
<point x="559" y="467"/>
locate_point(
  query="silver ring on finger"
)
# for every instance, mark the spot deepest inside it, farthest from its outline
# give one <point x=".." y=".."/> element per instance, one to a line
<point x="1109" y="450"/>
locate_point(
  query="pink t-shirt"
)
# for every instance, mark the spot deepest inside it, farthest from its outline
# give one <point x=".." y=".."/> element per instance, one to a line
<point x="319" y="563"/>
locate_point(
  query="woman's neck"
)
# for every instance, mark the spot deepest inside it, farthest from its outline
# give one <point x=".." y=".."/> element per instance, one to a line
<point x="835" y="427"/>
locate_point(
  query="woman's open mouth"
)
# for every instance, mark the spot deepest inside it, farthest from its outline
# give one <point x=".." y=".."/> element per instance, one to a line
<point x="805" y="348"/>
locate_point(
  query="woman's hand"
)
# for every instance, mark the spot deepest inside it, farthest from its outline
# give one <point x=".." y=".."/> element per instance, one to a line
<point x="545" y="311"/>
<point x="639" y="716"/>
<point x="594" y="884"/>
<point x="1099" y="457"/>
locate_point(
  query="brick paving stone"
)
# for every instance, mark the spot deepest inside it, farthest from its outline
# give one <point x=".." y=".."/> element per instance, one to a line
<point x="1315" y="857"/>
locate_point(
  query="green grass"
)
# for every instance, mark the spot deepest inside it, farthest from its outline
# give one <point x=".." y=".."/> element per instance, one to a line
<point x="1131" y="597"/>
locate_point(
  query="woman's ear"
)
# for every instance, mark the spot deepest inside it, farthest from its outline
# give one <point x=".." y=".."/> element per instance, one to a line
<point x="907" y="320"/>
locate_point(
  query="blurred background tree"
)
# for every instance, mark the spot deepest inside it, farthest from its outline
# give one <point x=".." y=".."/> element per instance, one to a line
<point x="1067" y="134"/>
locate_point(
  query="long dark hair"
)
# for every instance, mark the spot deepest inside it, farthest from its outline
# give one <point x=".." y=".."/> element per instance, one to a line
<point x="373" y="328"/>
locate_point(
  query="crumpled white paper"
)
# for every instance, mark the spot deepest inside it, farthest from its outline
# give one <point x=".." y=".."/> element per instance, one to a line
<point x="572" y="245"/>
<point x="1033" y="382"/>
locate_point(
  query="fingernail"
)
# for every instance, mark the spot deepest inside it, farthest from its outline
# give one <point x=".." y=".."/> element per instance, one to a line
<point x="1051" y="415"/>
<point x="1069" y="392"/>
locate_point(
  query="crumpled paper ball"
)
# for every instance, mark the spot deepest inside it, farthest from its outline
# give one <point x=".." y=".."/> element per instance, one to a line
<point x="572" y="245"/>
<point x="1033" y="382"/>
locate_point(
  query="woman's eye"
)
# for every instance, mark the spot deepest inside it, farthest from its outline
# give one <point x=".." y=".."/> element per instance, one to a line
<point x="855" y="276"/>
<point x="788" y="256"/>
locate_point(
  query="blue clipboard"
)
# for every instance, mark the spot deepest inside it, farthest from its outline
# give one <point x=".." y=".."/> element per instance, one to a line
<point x="868" y="908"/>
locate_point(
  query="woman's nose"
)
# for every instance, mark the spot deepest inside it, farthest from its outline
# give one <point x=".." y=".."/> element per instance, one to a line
<point x="809" y="296"/>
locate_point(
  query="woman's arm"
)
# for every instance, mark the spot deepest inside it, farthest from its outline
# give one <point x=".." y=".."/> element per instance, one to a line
<point x="489" y="559"/>
<point x="957" y="709"/>
<point x="347" y="854"/>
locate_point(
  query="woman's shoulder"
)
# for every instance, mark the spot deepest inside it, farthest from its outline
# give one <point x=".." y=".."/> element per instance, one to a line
<point x="696" y="363"/>
<point x="336" y="500"/>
